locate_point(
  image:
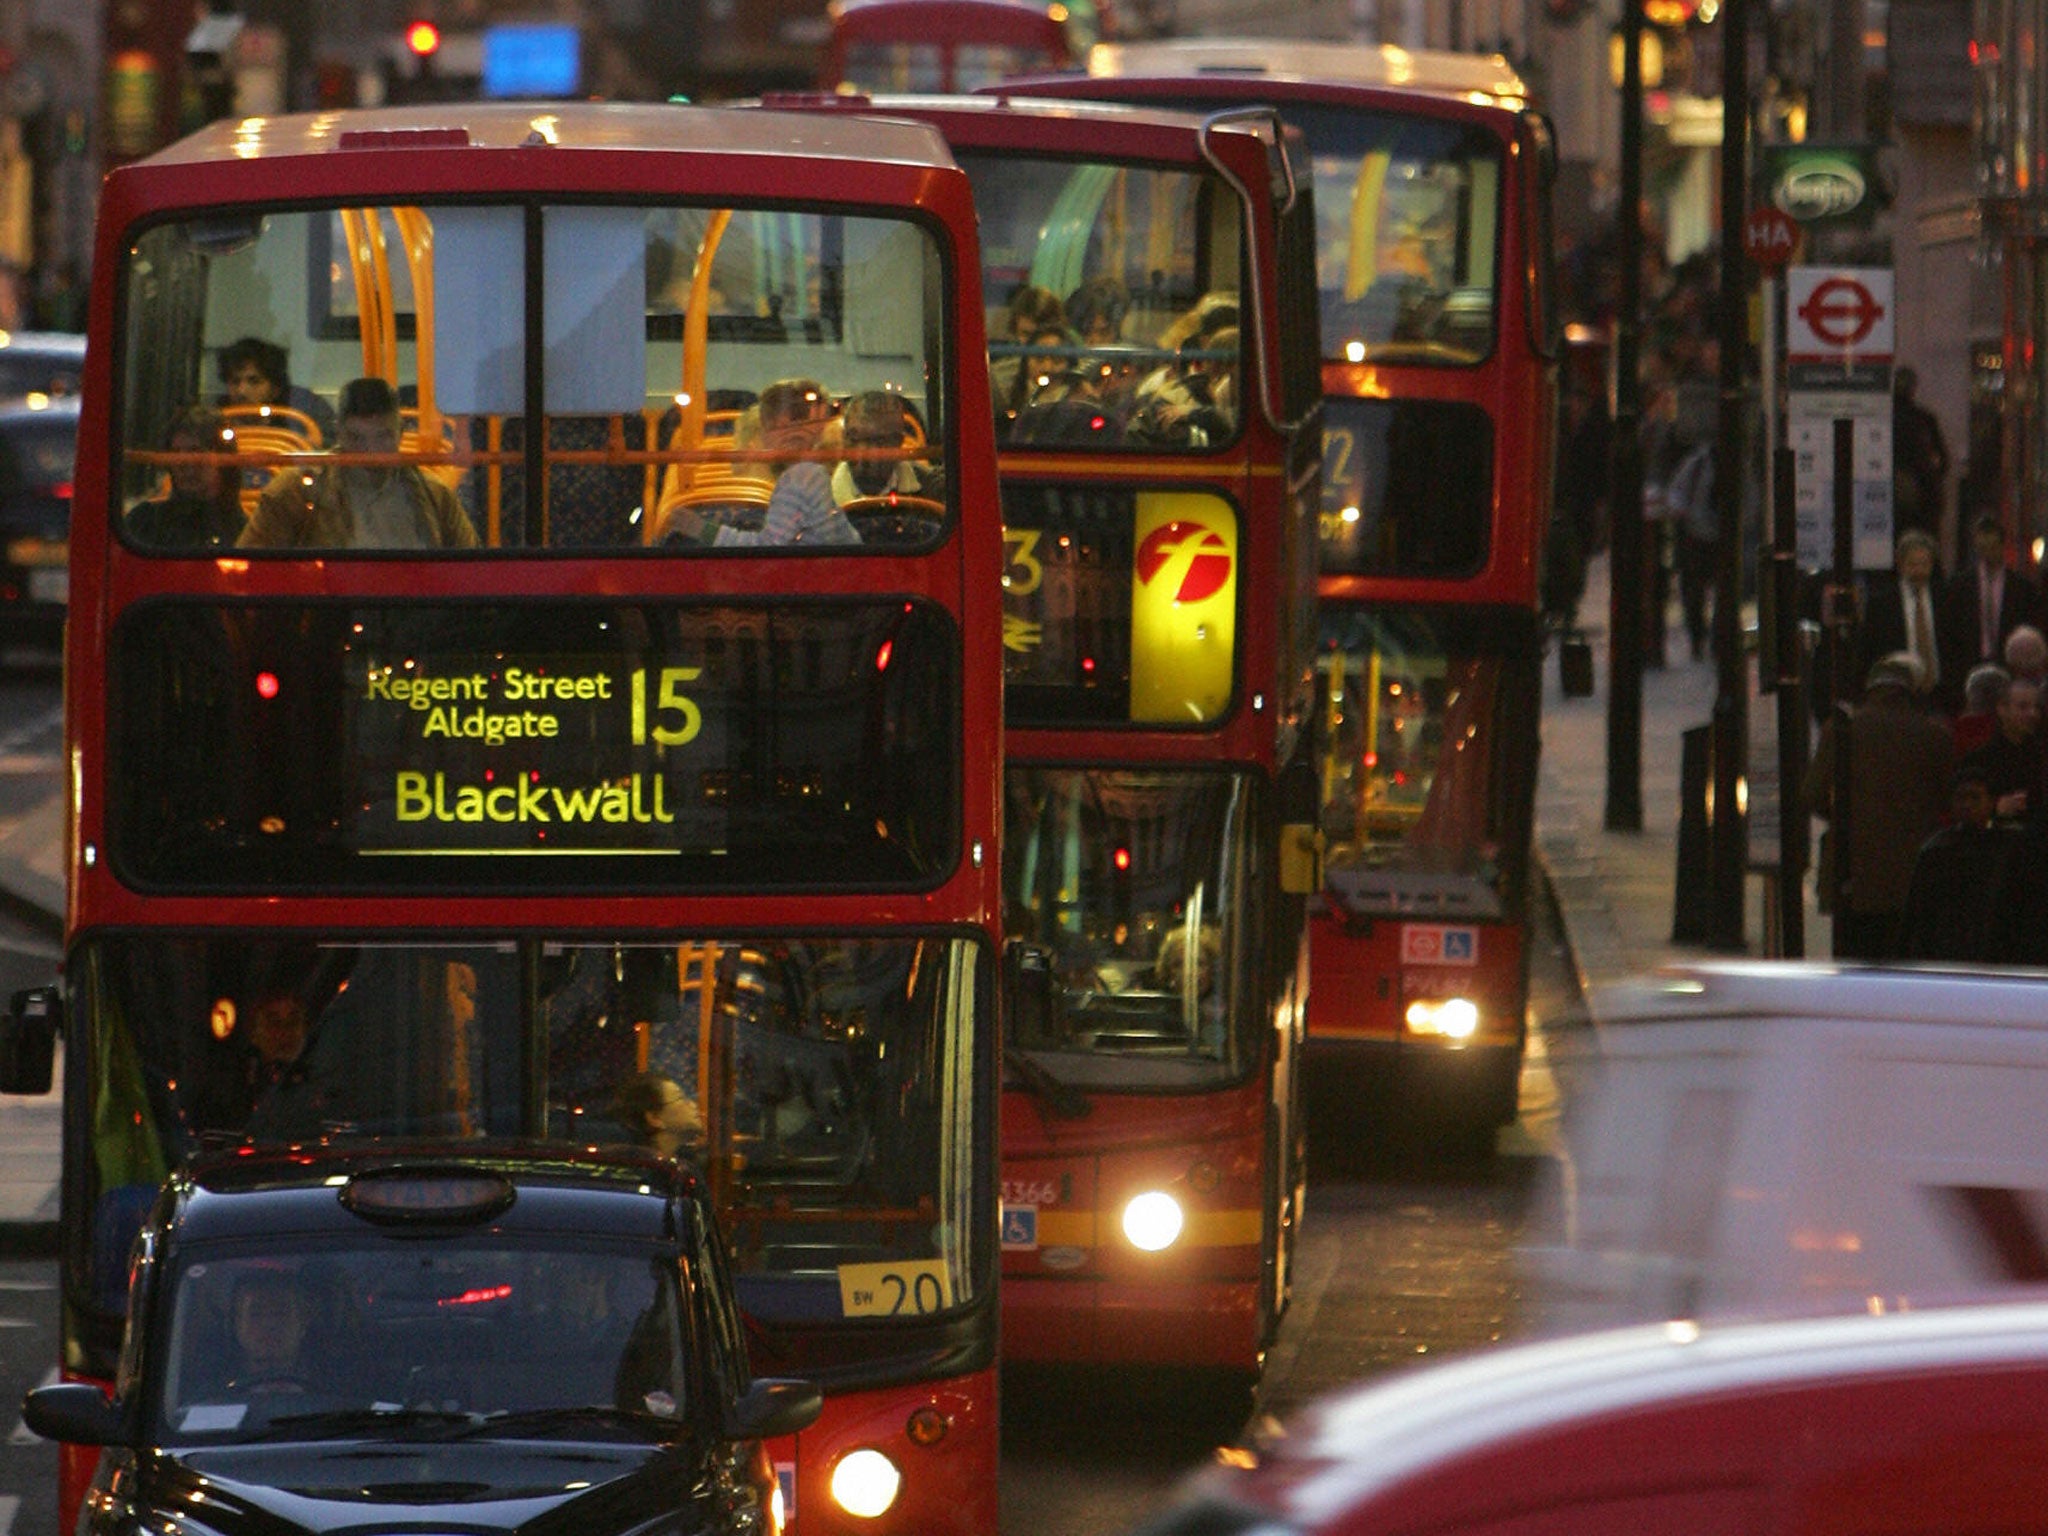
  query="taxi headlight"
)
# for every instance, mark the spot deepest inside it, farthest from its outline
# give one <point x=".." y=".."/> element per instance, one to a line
<point x="865" y="1483"/>
<point x="1153" y="1221"/>
<point x="1452" y="1018"/>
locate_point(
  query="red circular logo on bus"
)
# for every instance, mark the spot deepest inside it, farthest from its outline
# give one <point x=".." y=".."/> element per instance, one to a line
<point x="1198" y="554"/>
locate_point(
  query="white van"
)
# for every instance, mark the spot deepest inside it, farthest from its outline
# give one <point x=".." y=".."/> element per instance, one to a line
<point x="1765" y="1137"/>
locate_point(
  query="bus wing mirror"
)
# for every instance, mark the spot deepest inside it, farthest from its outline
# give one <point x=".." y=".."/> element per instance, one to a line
<point x="77" y="1413"/>
<point x="1301" y="858"/>
<point x="773" y="1406"/>
<point x="28" y="1040"/>
<point x="1027" y="989"/>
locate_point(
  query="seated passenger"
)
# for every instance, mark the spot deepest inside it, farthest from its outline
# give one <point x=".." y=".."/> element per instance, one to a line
<point x="202" y="504"/>
<point x="658" y="1114"/>
<point x="1031" y="311"/>
<point x="361" y="506"/>
<point x="258" y="372"/>
<point x="1097" y="308"/>
<point x="800" y="509"/>
<point x="1188" y="403"/>
<point x="875" y="420"/>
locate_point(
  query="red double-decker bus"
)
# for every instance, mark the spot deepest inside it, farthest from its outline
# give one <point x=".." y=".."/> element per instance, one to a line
<point x="947" y="45"/>
<point x="1157" y="431"/>
<point x="561" y="736"/>
<point x="1439" y="365"/>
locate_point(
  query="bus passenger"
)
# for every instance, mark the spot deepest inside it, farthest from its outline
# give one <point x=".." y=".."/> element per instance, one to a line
<point x="658" y="1114"/>
<point x="258" y="372"/>
<point x="361" y="506"/>
<point x="1031" y="311"/>
<point x="800" y="509"/>
<point x="201" y="505"/>
<point x="875" y="420"/>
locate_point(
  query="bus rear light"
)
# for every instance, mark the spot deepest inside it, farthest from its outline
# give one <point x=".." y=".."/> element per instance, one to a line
<point x="865" y="1483"/>
<point x="1452" y="1018"/>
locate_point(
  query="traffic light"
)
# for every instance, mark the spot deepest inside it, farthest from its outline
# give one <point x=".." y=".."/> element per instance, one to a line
<point x="424" y="39"/>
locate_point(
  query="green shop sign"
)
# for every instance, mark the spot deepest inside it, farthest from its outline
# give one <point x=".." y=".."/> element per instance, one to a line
<point x="1823" y="183"/>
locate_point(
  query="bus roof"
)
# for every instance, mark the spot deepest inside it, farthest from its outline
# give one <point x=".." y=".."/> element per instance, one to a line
<point x="566" y="125"/>
<point x="955" y="18"/>
<point x="1485" y="77"/>
<point x="1117" y="130"/>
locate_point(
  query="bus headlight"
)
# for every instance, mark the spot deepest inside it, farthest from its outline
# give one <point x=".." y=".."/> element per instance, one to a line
<point x="1452" y="1018"/>
<point x="1153" y="1221"/>
<point x="865" y="1483"/>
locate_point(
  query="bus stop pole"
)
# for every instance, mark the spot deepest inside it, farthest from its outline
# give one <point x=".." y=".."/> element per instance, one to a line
<point x="1792" y="705"/>
<point x="1841" y="620"/>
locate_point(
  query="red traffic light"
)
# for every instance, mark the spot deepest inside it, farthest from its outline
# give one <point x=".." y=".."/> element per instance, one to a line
<point x="423" y="37"/>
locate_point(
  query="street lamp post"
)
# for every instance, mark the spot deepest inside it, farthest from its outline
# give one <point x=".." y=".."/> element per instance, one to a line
<point x="1624" y="809"/>
<point x="1731" y="475"/>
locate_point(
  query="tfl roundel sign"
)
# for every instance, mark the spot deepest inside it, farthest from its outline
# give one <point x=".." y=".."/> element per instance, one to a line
<point x="1839" y="315"/>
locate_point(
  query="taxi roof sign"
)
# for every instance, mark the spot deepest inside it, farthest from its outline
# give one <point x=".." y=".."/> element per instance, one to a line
<point x="406" y="1194"/>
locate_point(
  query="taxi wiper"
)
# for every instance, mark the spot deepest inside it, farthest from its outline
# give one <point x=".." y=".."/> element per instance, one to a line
<point x="1065" y="1100"/>
<point x="542" y="1419"/>
<point x="378" y="1416"/>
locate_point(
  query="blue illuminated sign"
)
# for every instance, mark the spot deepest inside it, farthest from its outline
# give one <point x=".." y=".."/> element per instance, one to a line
<point x="532" y="59"/>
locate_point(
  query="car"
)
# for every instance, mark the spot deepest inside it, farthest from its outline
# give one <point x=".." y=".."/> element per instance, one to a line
<point x="38" y="450"/>
<point x="1753" y="1136"/>
<point x="40" y="362"/>
<point x="1923" y="1421"/>
<point x="493" y="1339"/>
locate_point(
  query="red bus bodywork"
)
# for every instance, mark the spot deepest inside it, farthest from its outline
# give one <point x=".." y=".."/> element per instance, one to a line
<point x="574" y="152"/>
<point x="1076" y="1288"/>
<point x="1396" y="942"/>
<point x="941" y="45"/>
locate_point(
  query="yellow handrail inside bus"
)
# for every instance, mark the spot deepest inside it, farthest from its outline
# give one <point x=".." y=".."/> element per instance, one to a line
<point x="371" y="270"/>
<point x="1362" y="261"/>
<point x="679" y="477"/>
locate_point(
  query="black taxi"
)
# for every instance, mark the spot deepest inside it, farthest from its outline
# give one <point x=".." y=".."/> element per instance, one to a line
<point x="510" y="1338"/>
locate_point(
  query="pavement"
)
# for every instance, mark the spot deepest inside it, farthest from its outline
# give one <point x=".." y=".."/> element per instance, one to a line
<point x="1615" y="891"/>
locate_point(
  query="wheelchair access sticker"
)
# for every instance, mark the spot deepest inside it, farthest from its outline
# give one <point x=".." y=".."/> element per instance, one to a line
<point x="910" y="1288"/>
<point x="1020" y="1226"/>
<point x="1438" y="944"/>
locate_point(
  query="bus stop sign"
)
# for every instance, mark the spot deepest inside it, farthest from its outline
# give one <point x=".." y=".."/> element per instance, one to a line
<point x="1769" y="236"/>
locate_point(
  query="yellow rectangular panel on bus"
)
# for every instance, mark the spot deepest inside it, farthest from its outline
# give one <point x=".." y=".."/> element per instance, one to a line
<point x="1183" y="607"/>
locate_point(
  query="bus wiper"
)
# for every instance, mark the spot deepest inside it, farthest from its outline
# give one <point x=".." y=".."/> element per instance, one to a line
<point x="1065" y="1100"/>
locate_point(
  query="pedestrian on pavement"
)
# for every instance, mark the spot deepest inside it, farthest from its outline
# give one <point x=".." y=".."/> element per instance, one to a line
<point x="2010" y="762"/>
<point x="1987" y="598"/>
<point x="2026" y="653"/>
<point x="1900" y="765"/>
<point x="1919" y="459"/>
<point x="1578" y="519"/>
<point x="1956" y="878"/>
<point x="1900" y="614"/>
<point x="1982" y="690"/>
